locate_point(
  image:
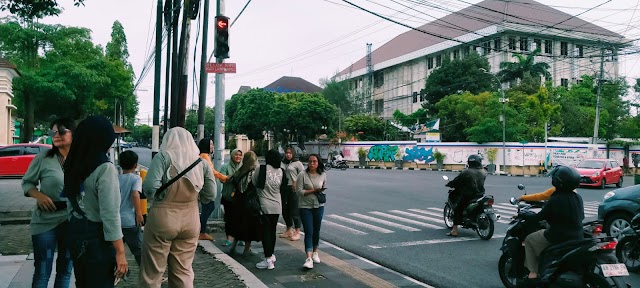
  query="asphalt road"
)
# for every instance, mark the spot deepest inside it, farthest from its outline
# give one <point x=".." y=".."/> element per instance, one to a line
<point x="408" y="201"/>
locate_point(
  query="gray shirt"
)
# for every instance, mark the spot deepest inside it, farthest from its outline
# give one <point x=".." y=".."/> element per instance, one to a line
<point x="129" y="183"/>
<point x="100" y="200"/>
<point x="308" y="182"/>
<point x="293" y="169"/>
<point x="46" y="172"/>
<point x="269" y="196"/>
<point x="157" y="175"/>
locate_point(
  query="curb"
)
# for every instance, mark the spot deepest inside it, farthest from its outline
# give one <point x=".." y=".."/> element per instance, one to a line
<point x="243" y="273"/>
<point x="431" y="169"/>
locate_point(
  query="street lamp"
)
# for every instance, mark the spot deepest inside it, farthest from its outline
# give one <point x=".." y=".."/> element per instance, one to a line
<point x="502" y="118"/>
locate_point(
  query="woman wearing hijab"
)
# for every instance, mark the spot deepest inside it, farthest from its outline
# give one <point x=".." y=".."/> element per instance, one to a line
<point x="245" y="225"/>
<point x="206" y="148"/>
<point x="229" y="169"/>
<point x="172" y="229"/>
<point x="93" y="196"/>
<point x="290" y="211"/>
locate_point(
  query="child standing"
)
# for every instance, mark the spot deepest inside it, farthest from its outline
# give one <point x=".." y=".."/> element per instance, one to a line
<point x="130" y="210"/>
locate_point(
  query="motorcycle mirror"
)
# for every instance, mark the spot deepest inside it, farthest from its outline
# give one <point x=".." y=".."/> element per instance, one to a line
<point x="445" y="177"/>
<point x="520" y="187"/>
<point x="513" y="200"/>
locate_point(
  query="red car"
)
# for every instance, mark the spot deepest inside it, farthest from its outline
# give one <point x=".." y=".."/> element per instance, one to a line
<point x="15" y="159"/>
<point x="600" y="172"/>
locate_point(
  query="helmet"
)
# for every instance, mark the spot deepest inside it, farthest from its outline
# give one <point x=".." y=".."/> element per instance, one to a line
<point x="565" y="178"/>
<point x="475" y="161"/>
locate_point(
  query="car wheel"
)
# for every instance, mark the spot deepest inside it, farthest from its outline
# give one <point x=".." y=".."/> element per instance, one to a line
<point x="603" y="183"/>
<point x="616" y="223"/>
<point x="619" y="184"/>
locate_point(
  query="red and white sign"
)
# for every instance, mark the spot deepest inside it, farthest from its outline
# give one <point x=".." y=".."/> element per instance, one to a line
<point x="220" y="67"/>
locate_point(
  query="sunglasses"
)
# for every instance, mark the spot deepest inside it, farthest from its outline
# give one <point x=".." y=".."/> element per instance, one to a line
<point x="52" y="133"/>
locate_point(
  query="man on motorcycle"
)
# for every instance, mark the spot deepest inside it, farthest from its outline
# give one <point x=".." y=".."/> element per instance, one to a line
<point x="468" y="185"/>
<point x="564" y="212"/>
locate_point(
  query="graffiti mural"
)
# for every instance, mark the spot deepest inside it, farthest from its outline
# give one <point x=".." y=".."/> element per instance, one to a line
<point x="383" y="153"/>
<point x="419" y="154"/>
<point x="346" y="152"/>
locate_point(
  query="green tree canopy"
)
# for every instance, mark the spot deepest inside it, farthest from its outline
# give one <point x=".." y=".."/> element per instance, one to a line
<point x="29" y="9"/>
<point x="458" y="75"/>
<point x="524" y="65"/>
<point x="337" y="93"/>
<point x="368" y="128"/>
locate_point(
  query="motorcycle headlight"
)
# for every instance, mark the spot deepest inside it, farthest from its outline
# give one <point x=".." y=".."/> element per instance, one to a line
<point x="609" y="195"/>
<point x="596" y="174"/>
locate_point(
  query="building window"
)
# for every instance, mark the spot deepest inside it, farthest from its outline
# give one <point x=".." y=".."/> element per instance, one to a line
<point x="497" y="44"/>
<point x="564" y="82"/>
<point x="430" y="63"/>
<point x="423" y="94"/>
<point x="465" y="51"/>
<point x="456" y="54"/>
<point x="512" y="43"/>
<point x="548" y="47"/>
<point x="438" y="60"/>
<point x="486" y="48"/>
<point x="564" y="48"/>
<point x="379" y="106"/>
<point x="580" y="50"/>
<point x="524" y="44"/>
<point x="538" y="43"/>
<point x="378" y="79"/>
<point x="415" y="97"/>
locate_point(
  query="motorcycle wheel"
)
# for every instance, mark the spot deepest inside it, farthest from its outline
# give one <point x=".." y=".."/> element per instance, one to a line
<point x="448" y="215"/>
<point x="485" y="226"/>
<point x="327" y="166"/>
<point x="597" y="281"/>
<point x="504" y="265"/>
<point x="628" y="252"/>
<point x="343" y="167"/>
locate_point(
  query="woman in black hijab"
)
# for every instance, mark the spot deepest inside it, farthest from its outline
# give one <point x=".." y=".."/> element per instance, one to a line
<point x="92" y="189"/>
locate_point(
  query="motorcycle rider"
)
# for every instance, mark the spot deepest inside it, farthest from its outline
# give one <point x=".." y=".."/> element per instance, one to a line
<point x="469" y="186"/>
<point x="564" y="212"/>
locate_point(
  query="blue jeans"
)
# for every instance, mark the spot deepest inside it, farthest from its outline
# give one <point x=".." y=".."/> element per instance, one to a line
<point x="311" y="220"/>
<point x="133" y="238"/>
<point x="44" y="246"/>
<point x="207" y="209"/>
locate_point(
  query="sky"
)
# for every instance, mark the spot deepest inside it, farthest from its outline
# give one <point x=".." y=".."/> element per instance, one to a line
<point x="311" y="39"/>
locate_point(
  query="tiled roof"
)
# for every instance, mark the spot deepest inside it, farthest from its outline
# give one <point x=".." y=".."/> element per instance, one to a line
<point x="476" y="17"/>
<point x="292" y="84"/>
<point x="4" y="63"/>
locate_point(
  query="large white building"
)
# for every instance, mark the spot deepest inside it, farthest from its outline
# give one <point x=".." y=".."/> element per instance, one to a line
<point x="495" y="29"/>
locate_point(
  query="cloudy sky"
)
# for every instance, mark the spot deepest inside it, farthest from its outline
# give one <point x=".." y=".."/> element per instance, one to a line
<point x="311" y="39"/>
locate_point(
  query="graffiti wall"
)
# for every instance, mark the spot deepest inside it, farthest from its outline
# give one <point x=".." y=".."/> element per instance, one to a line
<point x="515" y="154"/>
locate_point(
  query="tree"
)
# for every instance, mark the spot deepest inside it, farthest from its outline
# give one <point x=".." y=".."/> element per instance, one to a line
<point x="141" y="134"/>
<point x="29" y="9"/>
<point x="191" y="123"/>
<point x="337" y="93"/>
<point x="117" y="47"/>
<point x="249" y="113"/>
<point x="510" y="71"/>
<point x="368" y="128"/>
<point x="458" y="75"/>
<point x="419" y="116"/>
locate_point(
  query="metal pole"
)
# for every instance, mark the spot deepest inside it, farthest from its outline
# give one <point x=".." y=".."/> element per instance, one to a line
<point x="155" y="132"/>
<point x="181" y="94"/>
<point x="504" y="132"/>
<point x="167" y="77"/>
<point x="546" y="136"/>
<point x="218" y="136"/>
<point x="203" y="74"/>
<point x="175" y="74"/>
<point x="597" y="122"/>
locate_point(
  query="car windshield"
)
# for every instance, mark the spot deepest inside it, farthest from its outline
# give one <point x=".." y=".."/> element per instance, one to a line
<point x="591" y="164"/>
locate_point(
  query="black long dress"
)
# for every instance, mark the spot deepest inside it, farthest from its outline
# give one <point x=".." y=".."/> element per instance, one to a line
<point x="245" y="227"/>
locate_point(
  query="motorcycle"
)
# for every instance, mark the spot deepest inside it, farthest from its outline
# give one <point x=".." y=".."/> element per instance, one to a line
<point x="628" y="248"/>
<point x="479" y="215"/>
<point x="342" y="165"/>
<point x="581" y="263"/>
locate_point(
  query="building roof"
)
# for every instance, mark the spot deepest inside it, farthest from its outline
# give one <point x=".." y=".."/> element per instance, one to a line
<point x="4" y="63"/>
<point x="475" y="17"/>
<point x="244" y="89"/>
<point x="292" y="84"/>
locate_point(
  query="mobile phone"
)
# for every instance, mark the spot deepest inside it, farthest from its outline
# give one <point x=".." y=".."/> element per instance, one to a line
<point x="323" y="188"/>
<point x="60" y="205"/>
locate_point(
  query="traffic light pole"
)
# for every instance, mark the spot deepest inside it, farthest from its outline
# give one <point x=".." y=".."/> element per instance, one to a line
<point x="218" y="138"/>
<point x="203" y="74"/>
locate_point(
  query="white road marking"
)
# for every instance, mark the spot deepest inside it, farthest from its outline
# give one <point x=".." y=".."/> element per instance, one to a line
<point x="417" y="216"/>
<point x="361" y="224"/>
<point x="427" y="212"/>
<point x="398" y="218"/>
<point x="354" y="231"/>
<point x="436" y="209"/>
<point x="385" y="222"/>
<point x="504" y="207"/>
<point x="428" y="242"/>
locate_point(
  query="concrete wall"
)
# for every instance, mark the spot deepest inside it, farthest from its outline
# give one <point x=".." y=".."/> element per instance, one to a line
<point x="6" y="105"/>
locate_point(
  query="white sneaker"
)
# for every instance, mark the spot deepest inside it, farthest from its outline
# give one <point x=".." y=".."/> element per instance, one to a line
<point x="267" y="263"/>
<point x="315" y="257"/>
<point x="308" y="263"/>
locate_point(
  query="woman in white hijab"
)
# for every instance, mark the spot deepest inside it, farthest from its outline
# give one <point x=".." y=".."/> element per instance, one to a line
<point x="173" y="225"/>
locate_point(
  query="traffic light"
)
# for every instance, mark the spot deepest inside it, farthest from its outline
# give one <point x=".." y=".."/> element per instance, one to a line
<point x="222" y="37"/>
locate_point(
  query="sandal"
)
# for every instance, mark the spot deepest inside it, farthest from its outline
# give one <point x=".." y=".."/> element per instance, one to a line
<point x="452" y="235"/>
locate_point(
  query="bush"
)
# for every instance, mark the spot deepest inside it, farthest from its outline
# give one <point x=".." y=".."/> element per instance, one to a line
<point x="232" y="144"/>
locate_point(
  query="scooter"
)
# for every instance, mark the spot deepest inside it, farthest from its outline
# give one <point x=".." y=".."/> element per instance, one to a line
<point x="479" y="215"/>
<point x="628" y="248"/>
<point x="342" y="165"/>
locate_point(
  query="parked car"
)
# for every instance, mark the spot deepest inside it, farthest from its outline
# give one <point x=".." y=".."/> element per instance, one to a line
<point x="618" y="208"/>
<point x="600" y="172"/>
<point x="15" y="159"/>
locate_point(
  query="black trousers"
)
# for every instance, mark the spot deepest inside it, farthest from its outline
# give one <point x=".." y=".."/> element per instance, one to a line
<point x="459" y="210"/>
<point x="290" y="211"/>
<point x="227" y="215"/>
<point x="269" y="224"/>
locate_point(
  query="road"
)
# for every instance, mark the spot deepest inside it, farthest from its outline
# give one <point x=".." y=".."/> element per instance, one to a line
<point x="409" y="201"/>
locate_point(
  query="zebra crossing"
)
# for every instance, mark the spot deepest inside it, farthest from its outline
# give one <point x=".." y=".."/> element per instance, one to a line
<point x="415" y="219"/>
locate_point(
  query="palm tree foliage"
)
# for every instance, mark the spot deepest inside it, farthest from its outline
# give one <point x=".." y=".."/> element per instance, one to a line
<point x="510" y="71"/>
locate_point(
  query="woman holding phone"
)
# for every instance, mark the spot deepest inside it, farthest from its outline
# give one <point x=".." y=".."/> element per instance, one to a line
<point x="309" y="186"/>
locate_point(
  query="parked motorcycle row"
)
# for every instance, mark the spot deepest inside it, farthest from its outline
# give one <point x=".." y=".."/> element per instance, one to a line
<point x="596" y="261"/>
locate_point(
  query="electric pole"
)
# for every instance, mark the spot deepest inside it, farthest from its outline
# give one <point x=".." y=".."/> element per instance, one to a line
<point x="218" y="138"/>
<point x="600" y="80"/>
<point x="155" y="132"/>
<point x="169" y="20"/>
<point x="203" y="74"/>
<point x="175" y="78"/>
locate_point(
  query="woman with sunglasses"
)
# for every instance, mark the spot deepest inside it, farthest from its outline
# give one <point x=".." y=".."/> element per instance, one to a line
<point x="49" y="218"/>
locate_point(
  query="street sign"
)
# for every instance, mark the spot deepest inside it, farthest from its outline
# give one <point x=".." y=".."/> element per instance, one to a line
<point x="220" y="67"/>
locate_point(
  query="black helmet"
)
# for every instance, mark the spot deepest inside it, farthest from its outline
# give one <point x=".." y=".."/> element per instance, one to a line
<point x="475" y="161"/>
<point x="565" y="178"/>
